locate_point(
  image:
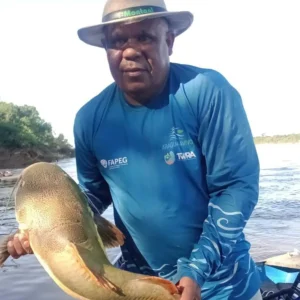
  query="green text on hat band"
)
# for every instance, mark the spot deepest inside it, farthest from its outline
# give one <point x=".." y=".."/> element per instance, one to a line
<point x="132" y="12"/>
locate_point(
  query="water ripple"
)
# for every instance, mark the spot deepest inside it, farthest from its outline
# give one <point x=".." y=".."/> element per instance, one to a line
<point x="272" y="229"/>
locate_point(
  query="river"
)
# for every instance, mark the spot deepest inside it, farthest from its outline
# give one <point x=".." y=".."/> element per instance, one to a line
<point x="273" y="228"/>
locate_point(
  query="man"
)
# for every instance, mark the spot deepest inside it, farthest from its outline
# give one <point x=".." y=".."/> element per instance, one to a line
<point x="171" y="147"/>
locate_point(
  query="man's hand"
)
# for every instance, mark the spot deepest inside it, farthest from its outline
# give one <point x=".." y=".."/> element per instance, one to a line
<point x="18" y="246"/>
<point x="189" y="288"/>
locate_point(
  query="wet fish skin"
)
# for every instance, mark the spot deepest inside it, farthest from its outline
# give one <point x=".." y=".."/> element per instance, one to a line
<point x="69" y="241"/>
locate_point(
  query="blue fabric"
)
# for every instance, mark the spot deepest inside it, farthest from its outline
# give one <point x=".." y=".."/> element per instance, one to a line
<point x="182" y="174"/>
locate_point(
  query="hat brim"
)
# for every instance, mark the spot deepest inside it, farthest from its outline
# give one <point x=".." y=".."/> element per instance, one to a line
<point x="178" y="21"/>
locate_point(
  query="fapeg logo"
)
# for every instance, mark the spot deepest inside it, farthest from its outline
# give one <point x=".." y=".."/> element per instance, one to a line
<point x="114" y="163"/>
<point x="103" y="163"/>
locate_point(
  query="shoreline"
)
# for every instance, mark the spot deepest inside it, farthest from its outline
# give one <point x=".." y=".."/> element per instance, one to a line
<point x="277" y="143"/>
<point x="9" y="180"/>
<point x="12" y="159"/>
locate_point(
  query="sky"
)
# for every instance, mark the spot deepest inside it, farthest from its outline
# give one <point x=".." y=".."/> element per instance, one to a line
<point x="253" y="43"/>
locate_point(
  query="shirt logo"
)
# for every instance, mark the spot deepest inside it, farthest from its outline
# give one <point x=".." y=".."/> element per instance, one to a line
<point x="114" y="163"/>
<point x="176" y="133"/>
<point x="177" y="138"/>
<point x="170" y="158"/>
<point x="103" y="163"/>
<point x="186" y="155"/>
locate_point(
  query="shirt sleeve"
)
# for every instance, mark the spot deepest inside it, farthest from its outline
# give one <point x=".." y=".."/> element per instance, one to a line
<point x="89" y="177"/>
<point x="232" y="175"/>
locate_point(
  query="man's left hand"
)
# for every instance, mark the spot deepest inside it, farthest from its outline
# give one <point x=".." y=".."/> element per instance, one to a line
<point x="189" y="288"/>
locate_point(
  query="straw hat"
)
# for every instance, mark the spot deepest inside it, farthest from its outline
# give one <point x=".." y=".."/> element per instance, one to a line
<point x="117" y="11"/>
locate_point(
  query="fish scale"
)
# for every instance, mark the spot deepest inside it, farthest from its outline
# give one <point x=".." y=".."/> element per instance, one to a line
<point x="69" y="241"/>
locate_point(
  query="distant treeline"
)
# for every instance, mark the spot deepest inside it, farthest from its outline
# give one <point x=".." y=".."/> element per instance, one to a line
<point x="22" y="127"/>
<point x="278" y="139"/>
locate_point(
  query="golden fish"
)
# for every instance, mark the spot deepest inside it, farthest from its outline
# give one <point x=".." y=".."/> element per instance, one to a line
<point x="69" y="241"/>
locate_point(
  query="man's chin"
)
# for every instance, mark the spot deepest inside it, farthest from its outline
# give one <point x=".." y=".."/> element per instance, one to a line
<point x="137" y="87"/>
<point x="138" y="93"/>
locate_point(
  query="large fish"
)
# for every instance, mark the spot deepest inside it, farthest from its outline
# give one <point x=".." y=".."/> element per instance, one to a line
<point x="69" y="241"/>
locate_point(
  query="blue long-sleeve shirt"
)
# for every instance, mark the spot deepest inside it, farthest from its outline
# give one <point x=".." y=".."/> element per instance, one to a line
<point x="182" y="173"/>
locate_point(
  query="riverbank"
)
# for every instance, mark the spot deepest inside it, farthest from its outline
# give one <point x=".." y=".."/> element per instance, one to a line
<point x="21" y="158"/>
<point x="8" y="180"/>
<point x="278" y="139"/>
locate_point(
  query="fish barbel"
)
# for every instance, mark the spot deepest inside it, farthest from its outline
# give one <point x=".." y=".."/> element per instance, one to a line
<point x="69" y="241"/>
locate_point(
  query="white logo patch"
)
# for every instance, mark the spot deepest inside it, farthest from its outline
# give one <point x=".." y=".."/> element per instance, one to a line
<point x="103" y="163"/>
<point x="186" y="155"/>
<point x="114" y="163"/>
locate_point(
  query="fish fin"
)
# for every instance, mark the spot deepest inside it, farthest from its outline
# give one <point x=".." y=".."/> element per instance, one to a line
<point x="56" y="280"/>
<point x="110" y="235"/>
<point x="168" y="285"/>
<point x="79" y="253"/>
<point x="3" y="248"/>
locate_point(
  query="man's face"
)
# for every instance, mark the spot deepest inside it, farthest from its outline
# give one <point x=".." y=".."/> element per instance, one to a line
<point x="138" y="55"/>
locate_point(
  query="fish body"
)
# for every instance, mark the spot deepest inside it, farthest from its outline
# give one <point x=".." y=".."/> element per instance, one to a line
<point x="69" y="240"/>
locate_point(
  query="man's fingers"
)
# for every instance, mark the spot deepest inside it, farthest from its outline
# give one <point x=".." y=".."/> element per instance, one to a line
<point x="188" y="294"/>
<point x="11" y="249"/>
<point x="25" y="244"/>
<point x="18" y="246"/>
<point x="27" y="247"/>
<point x="189" y="289"/>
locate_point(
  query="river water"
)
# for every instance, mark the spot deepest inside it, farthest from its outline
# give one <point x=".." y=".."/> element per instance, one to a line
<point x="273" y="228"/>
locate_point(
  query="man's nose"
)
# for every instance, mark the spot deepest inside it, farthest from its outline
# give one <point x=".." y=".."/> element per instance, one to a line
<point x="132" y="51"/>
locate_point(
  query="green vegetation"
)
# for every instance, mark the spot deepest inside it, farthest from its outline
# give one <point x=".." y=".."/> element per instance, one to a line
<point x="277" y="139"/>
<point x="25" y="137"/>
<point x="21" y="127"/>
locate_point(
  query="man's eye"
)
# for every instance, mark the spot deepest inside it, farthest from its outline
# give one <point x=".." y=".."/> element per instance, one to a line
<point x="144" y="39"/>
<point x="117" y="43"/>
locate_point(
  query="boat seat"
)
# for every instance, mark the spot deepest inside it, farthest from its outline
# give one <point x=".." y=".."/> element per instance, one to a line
<point x="268" y="288"/>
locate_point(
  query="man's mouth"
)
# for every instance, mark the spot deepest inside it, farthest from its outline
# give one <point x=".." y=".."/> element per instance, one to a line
<point x="134" y="71"/>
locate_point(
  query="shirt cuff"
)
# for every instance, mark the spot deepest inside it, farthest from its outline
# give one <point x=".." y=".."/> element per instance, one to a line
<point x="185" y="271"/>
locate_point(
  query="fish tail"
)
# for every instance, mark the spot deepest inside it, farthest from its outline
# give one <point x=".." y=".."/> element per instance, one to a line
<point x="3" y="248"/>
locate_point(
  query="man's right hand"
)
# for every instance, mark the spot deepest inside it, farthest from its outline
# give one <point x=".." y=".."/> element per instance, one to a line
<point x="18" y="246"/>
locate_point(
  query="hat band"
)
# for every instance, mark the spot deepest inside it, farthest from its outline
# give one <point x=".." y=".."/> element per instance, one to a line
<point x="132" y="12"/>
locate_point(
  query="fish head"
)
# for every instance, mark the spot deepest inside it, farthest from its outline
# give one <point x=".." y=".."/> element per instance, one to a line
<point x="45" y="195"/>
